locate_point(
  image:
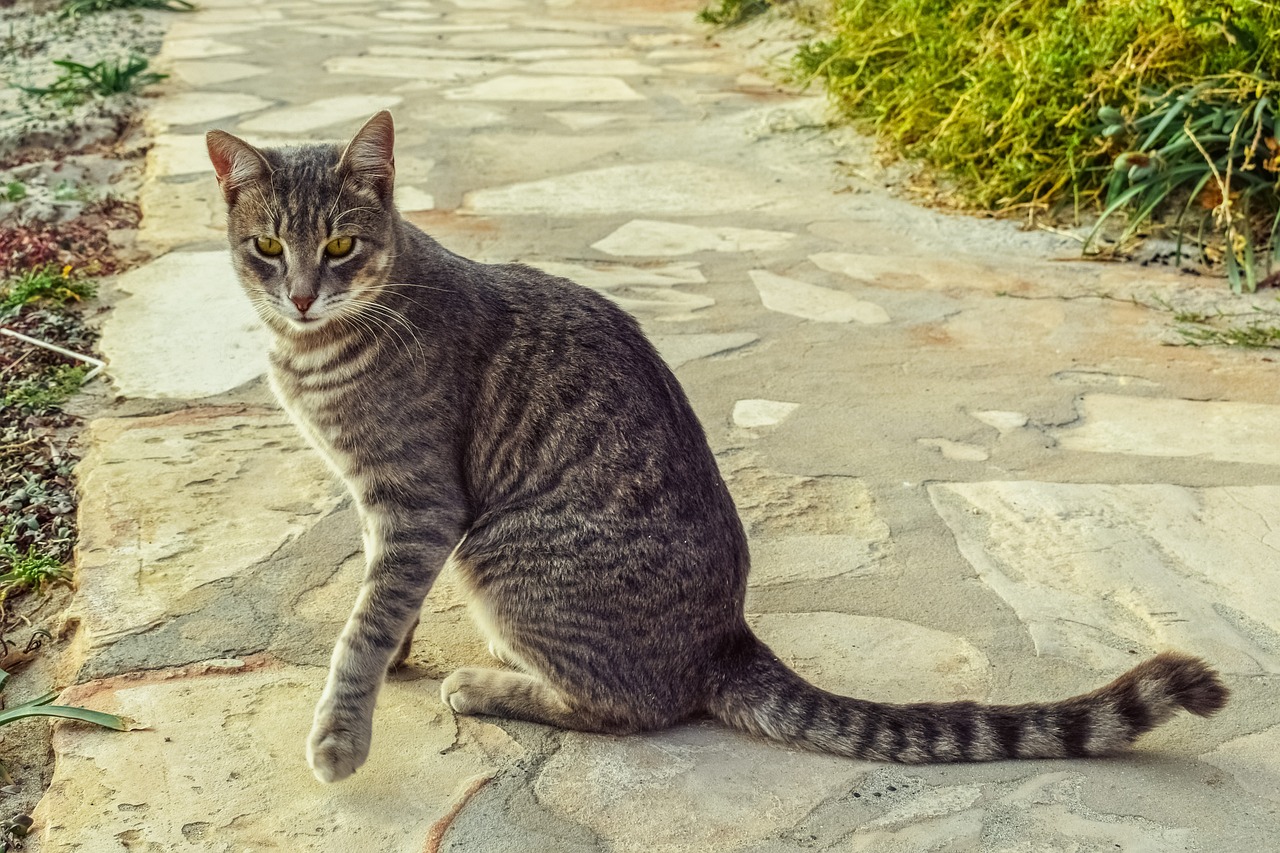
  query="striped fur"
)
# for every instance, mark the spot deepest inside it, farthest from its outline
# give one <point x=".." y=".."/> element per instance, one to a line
<point x="523" y="427"/>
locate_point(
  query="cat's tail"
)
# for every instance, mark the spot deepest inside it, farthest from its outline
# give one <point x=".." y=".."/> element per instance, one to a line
<point x="759" y="694"/>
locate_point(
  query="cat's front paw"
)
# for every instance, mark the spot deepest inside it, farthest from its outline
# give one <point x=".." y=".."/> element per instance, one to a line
<point x="335" y="751"/>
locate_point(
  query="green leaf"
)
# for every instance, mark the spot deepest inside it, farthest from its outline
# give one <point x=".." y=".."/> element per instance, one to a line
<point x="41" y="708"/>
<point x="1179" y="104"/>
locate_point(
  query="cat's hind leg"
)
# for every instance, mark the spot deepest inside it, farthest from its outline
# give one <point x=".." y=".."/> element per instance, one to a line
<point x="519" y="696"/>
<point x="406" y="645"/>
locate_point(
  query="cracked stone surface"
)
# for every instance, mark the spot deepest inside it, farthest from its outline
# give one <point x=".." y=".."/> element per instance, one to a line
<point x="963" y="471"/>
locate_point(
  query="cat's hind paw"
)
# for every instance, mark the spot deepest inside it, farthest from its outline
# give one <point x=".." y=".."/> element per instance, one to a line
<point x="459" y="691"/>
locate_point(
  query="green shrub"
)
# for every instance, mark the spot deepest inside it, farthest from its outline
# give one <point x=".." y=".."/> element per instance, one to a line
<point x="1006" y="95"/>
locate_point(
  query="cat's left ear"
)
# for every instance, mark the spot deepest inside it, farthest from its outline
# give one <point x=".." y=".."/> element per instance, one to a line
<point x="370" y="153"/>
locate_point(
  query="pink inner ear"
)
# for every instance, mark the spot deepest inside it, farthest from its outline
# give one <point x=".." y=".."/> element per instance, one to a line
<point x="235" y="161"/>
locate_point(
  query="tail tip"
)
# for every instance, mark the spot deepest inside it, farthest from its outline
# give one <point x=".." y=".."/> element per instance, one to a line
<point x="1190" y="682"/>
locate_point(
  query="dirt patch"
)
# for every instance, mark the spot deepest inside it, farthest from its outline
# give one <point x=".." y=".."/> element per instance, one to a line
<point x="69" y="177"/>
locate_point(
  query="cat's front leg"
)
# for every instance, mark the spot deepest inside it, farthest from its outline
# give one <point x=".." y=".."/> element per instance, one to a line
<point x="402" y="565"/>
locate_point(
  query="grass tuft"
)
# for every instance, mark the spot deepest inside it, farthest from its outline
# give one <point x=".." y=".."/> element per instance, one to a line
<point x="731" y="13"/>
<point x="76" y="8"/>
<point x="78" y="82"/>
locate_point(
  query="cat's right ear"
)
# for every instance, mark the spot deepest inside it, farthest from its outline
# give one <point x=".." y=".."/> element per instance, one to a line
<point x="236" y="162"/>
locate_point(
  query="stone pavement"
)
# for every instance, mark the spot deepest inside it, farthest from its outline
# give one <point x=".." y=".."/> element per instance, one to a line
<point x="968" y="468"/>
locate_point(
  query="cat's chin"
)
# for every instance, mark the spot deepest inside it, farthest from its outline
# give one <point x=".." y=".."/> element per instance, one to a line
<point x="296" y="326"/>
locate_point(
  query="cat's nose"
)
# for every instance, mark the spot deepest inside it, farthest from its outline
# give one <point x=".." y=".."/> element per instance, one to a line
<point x="302" y="302"/>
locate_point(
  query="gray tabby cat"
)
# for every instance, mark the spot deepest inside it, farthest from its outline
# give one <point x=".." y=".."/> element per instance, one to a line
<point x="524" y="428"/>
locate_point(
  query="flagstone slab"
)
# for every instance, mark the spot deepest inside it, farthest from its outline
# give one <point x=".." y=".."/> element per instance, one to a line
<point x="608" y="275"/>
<point x="775" y="505"/>
<point x="410" y="68"/>
<point x="518" y="87"/>
<point x="1001" y="420"/>
<point x="500" y="38"/>
<point x="210" y="73"/>
<point x="407" y="15"/>
<point x="691" y="788"/>
<point x="884" y="660"/>
<point x="951" y="271"/>
<point x="201" y="108"/>
<point x="199" y="48"/>
<point x="1043" y="811"/>
<point x="575" y="120"/>
<point x="302" y="118"/>
<point x="1253" y="762"/>
<point x="186" y="331"/>
<point x="412" y="198"/>
<point x="762" y="413"/>
<point x="541" y="54"/>
<point x="181" y="213"/>
<point x="1225" y="431"/>
<point x="1102" y="575"/>
<point x="221" y="767"/>
<point x="811" y="302"/>
<point x="958" y="451"/>
<point x="678" y="350"/>
<point x="610" y="67"/>
<point x="649" y="237"/>
<point x="155" y="524"/>
<point x="815" y="557"/>
<point x="643" y="188"/>
<point x="178" y="154"/>
<point x="661" y="304"/>
<point x="488" y="5"/>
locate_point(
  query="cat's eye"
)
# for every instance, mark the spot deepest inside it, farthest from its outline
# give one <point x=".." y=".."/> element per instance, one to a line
<point x="339" y="247"/>
<point x="269" y="246"/>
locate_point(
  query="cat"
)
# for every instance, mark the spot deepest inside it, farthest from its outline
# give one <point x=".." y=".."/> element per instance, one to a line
<point x="524" y="428"/>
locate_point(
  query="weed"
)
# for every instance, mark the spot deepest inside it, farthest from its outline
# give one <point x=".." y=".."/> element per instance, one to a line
<point x="44" y="392"/>
<point x="47" y="284"/>
<point x="71" y="191"/>
<point x="730" y="13"/>
<point x="30" y="571"/>
<point x="79" y="82"/>
<point x="76" y="8"/>
<point x="1208" y="150"/>
<point x="1252" y="336"/>
<point x="14" y="191"/>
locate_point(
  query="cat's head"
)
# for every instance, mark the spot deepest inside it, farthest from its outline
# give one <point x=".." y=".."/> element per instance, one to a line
<point x="312" y="229"/>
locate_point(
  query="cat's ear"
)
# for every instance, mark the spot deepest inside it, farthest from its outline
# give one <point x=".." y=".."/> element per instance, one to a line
<point x="370" y="153"/>
<point x="236" y="162"/>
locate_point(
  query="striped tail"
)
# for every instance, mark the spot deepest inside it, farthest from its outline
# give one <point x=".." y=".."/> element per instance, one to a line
<point x="759" y="694"/>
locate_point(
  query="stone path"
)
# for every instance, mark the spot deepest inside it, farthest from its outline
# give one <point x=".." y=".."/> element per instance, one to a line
<point x="964" y="473"/>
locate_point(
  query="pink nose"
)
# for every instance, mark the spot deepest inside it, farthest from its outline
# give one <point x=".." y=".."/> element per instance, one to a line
<point x="302" y="302"/>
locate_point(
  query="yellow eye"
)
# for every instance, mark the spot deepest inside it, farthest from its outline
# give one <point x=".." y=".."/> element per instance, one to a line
<point x="339" y="247"/>
<point x="268" y="246"/>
